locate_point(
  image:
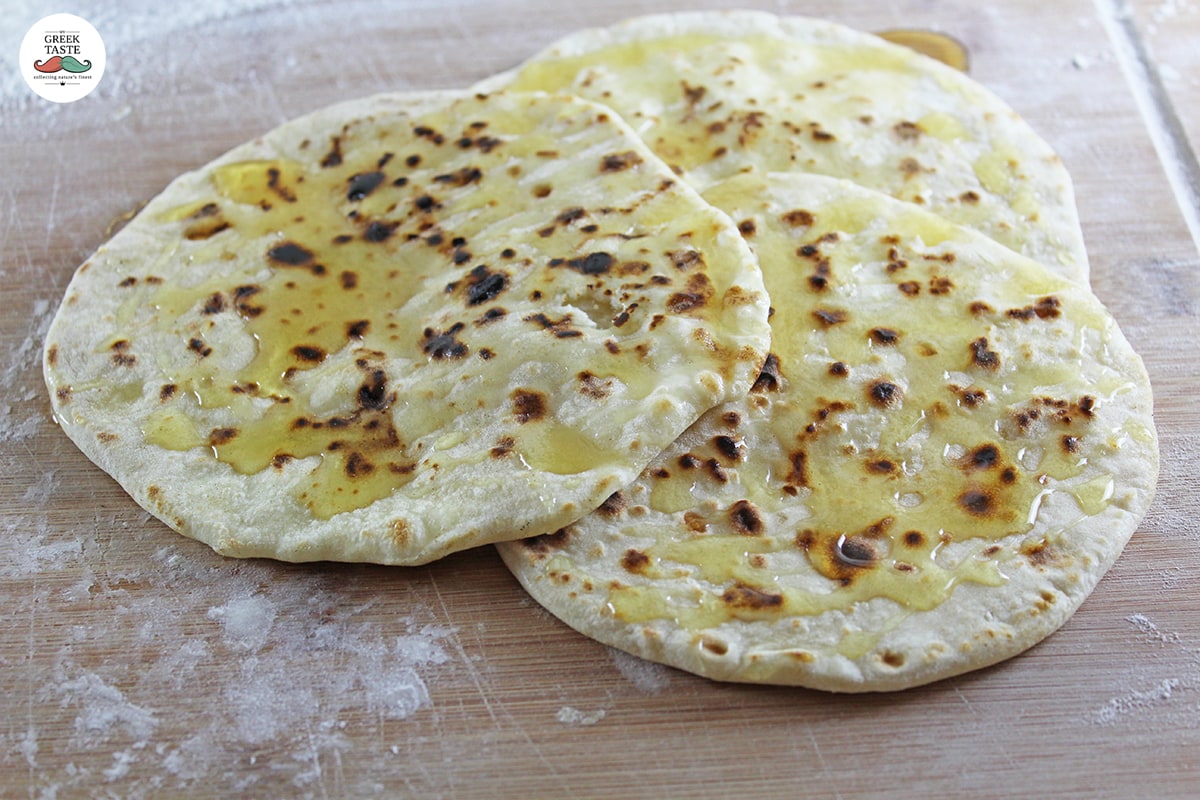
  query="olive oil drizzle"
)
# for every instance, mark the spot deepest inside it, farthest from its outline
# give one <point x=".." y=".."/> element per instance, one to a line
<point x="328" y="290"/>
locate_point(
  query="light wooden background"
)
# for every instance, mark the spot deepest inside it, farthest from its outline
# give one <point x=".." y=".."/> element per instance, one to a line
<point x="135" y="663"/>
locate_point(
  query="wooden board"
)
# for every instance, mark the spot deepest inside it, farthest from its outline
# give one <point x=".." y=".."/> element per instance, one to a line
<point x="135" y="663"/>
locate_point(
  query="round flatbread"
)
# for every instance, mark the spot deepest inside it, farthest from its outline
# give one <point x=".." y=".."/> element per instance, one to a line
<point x="403" y="326"/>
<point x="947" y="449"/>
<point x="716" y="93"/>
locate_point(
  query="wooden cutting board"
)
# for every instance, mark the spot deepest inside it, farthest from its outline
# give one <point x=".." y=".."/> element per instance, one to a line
<point x="136" y="663"/>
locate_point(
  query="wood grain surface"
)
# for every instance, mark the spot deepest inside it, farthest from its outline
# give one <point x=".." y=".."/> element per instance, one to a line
<point x="136" y="663"/>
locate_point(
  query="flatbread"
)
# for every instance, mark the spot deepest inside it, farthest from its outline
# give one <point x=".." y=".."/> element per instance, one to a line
<point x="716" y="93"/>
<point x="403" y="326"/>
<point x="947" y="449"/>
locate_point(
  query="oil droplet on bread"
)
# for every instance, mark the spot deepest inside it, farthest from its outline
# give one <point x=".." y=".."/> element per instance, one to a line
<point x="940" y="46"/>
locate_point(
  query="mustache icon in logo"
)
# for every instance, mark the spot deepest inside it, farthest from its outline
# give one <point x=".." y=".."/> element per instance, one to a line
<point x="60" y="63"/>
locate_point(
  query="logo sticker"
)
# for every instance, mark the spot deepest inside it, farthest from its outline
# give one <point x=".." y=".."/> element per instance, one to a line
<point x="62" y="58"/>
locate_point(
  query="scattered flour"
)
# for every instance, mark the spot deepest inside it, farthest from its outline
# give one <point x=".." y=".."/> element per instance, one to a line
<point x="647" y="676"/>
<point x="1147" y="627"/>
<point x="22" y="409"/>
<point x="121" y="764"/>
<point x="246" y="621"/>
<point x="1163" y="690"/>
<point x="103" y="710"/>
<point x="28" y="354"/>
<point x="289" y="668"/>
<point x="35" y="547"/>
<point x="573" y="716"/>
<point x="1110" y="712"/>
<point x="16" y="427"/>
<point x="27" y="746"/>
<point x="1169" y="73"/>
<point x="1169" y="9"/>
<point x="38" y="492"/>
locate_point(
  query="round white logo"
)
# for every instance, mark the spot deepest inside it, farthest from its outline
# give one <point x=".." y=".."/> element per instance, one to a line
<point x="62" y="58"/>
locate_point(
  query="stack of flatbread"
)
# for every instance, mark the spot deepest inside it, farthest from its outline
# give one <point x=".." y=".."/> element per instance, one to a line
<point x="761" y="347"/>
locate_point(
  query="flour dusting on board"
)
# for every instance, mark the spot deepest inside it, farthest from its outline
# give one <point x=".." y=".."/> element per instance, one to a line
<point x="35" y="547"/>
<point x="568" y="715"/>
<point x="246" y="621"/>
<point x="102" y="710"/>
<point x="21" y="403"/>
<point x="1150" y="630"/>
<point x="1136" y="700"/>
<point x="1168" y="10"/>
<point x="288" y="661"/>
<point x="1155" y="692"/>
<point x="647" y="676"/>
